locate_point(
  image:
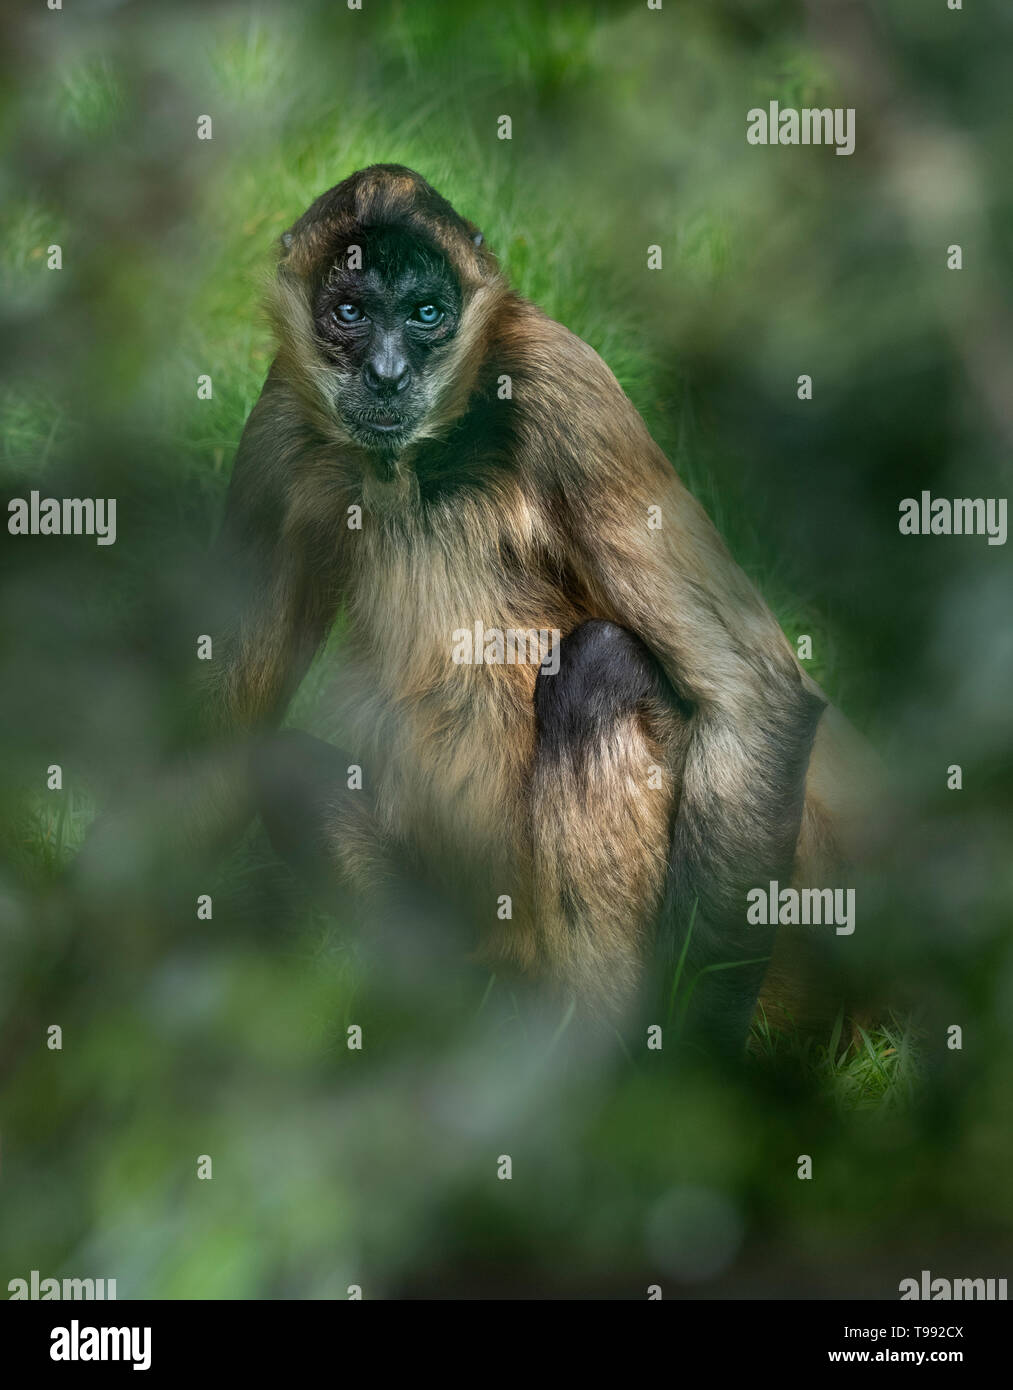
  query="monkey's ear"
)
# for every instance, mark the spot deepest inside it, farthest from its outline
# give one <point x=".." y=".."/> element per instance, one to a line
<point x="287" y="239"/>
<point x="474" y="234"/>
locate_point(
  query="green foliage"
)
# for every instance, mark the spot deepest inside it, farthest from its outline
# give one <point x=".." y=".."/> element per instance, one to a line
<point x="228" y="1037"/>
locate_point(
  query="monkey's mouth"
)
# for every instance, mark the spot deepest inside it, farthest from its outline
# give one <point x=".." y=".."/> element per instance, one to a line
<point x="384" y="422"/>
<point x="380" y="430"/>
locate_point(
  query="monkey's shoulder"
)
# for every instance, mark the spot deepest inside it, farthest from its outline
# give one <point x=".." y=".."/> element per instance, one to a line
<point x="545" y="406"/>
<point x="551" y="359"/>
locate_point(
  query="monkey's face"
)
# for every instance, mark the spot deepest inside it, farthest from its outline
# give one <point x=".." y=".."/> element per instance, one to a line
<point x="383" y="329"/>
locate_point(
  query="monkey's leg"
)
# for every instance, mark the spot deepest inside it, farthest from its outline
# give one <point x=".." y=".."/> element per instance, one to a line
<point x="738" y="829"/>
<point x="324" y="831"/>
<point x="604" y="791"/>
<point x="330" y="836"/>
<point x="611" y="747"/>
<point x="849" y="817"/>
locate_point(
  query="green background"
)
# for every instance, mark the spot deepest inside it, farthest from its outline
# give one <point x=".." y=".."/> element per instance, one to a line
<point x="227" y="1038"/>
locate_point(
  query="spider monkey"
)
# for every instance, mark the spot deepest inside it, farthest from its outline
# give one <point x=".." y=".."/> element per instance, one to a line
<point x="430" y="451"/>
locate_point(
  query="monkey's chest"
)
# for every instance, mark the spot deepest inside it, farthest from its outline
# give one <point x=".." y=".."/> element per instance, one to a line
<point x="445" y="734"/>
<point x="449" y="650"/>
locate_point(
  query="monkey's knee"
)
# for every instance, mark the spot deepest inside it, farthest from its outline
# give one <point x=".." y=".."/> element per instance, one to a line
<point x="300" y="788"/>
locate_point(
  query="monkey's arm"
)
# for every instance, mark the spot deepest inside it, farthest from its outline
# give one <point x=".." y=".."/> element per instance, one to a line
<point x="270" y="591"/>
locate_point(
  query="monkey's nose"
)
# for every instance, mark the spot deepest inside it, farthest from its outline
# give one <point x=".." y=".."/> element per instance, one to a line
<point x="387" y="378"/>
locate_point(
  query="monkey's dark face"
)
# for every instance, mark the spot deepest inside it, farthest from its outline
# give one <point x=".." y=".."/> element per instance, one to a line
<point x="383" y="329"/>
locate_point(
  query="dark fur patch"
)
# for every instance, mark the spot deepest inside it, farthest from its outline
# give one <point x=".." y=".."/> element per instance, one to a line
<point x="605" y="673"/>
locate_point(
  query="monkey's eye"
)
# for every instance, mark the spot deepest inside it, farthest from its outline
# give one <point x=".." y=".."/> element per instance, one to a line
<point x="347" y="313"/>
<point x="428" y="314"/>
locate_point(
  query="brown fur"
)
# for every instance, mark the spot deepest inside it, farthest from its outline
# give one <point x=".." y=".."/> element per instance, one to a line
<point x="549" y="528"/>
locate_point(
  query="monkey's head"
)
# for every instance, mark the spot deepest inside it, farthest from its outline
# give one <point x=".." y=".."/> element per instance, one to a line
<point x="382" y="295"/>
